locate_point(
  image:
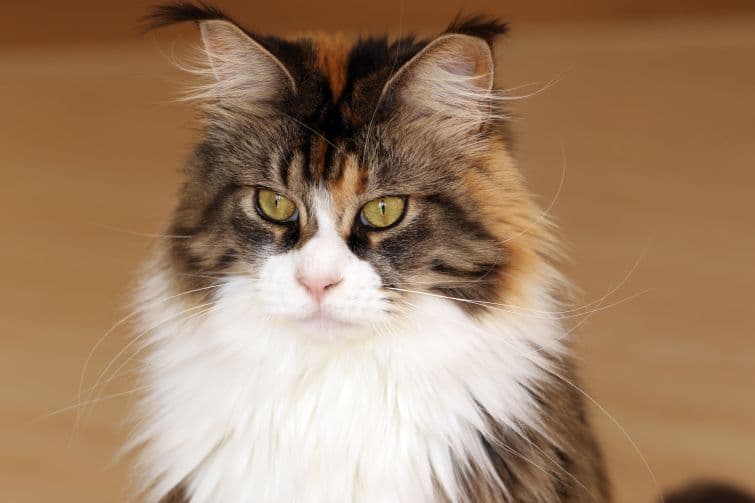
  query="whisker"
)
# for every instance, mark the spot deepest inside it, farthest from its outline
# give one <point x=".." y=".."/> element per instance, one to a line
<point x="544" y="214"/>
<point x="86" y="403"/>
<point x="448" y="297"/>
<point x="600" y="301"/>
<point x="137" y="233"/>
<point x="572" y="313"/>
<point x="522" y="457"/>
<point x="624" y="280"/>
<point x="127" y="360"/>
<point x="390" y="73"/>
<point x="504" y="95"/>
<point x="558" y="465"/>
<point x="603" y="410"/>
<point x="118" y="324"/>
<point x="569" y="332"/>
<point x="204" y="276"/>
<point x="135" y="339"/>
<point x="621" y="428"/>
<point x="312" y="130"/>
<point x="218" y="276"/>
<point x="505" y="308"/>
<point x="448" y="283"/>
<point x="554" y="343"/>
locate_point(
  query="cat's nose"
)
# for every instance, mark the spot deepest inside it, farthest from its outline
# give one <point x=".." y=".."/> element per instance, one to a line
<point x="318" y="285"/>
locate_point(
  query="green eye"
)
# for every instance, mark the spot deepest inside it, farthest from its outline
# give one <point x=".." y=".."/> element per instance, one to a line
<point x="275" y="207"/>
<point x="383" y="212"/>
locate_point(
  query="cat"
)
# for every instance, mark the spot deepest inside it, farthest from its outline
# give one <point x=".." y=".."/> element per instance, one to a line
<point x="361" y="301"/>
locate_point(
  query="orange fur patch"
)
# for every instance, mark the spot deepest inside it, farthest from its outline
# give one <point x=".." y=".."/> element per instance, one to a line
<point x="332" y="55"/>
<point x="350" y="183"/>
<point x="318" y="159"/>
<point x="516" y="222"/>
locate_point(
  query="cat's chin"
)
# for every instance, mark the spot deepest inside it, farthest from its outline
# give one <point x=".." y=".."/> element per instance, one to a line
<point x="326" y="327"/>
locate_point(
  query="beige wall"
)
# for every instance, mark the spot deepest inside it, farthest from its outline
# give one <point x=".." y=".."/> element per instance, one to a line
<point x="53" y="21"/>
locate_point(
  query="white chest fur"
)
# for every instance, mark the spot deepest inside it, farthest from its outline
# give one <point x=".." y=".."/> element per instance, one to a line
<point x="243" y="409"/>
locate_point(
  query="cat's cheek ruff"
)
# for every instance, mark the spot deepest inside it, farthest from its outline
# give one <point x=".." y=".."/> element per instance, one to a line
<point x="241" y="408"/>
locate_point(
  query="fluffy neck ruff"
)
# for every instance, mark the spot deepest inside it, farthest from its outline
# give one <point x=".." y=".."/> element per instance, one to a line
<point x="242" y="408"/>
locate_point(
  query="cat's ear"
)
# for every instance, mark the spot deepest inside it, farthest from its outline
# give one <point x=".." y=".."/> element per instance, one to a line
<point x="240" y="71"/>
<point x="451" y="79"/>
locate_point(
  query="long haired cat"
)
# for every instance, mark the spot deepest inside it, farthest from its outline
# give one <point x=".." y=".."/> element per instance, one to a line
<point x="361" y="303"/>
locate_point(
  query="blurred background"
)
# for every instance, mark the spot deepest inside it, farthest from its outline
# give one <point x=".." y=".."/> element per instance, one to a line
<point x="637" y="126"/>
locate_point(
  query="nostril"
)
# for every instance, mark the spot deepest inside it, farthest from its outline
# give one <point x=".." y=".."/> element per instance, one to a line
<point x="332" y="283"/>
<point x="317" y="285"/>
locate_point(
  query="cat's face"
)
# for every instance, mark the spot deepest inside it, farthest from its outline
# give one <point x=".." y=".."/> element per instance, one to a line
<point x="335" y="180"/>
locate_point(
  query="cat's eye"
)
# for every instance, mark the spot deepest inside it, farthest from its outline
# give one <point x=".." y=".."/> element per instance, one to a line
<point x="383" y="212"/>
<point x="275" y="207"/>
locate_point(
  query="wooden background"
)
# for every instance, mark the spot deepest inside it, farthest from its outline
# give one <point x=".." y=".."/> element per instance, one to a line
<point x="652" y="123"/>
<point x="91" y="21"/>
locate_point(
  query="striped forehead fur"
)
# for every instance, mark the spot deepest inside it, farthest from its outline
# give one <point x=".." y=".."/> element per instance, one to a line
<point x="363" y="65"/>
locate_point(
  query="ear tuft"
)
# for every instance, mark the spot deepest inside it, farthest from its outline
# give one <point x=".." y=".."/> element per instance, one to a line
<point x="450" y="79"/>
<point x="180" y="12"/>
<point x="240" y="63"/>
<point x="236" y="72"/>
<point x="484" y="27"/>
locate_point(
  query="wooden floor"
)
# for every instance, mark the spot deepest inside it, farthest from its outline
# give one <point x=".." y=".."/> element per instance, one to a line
<point x="654" y="125"/>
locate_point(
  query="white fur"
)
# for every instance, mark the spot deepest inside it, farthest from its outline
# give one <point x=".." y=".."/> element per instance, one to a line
<point x="248" y="404"/>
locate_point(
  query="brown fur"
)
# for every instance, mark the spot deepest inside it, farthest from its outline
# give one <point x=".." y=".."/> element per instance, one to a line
<point x="558" y="461"/>
<point x="177" y="495"/>
<point x="318" y="158"/>
<point x="348" y="188"/>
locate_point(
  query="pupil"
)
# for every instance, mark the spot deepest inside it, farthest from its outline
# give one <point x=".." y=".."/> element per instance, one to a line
<point x="277" y="200"/>
<point x="381" y="205"/>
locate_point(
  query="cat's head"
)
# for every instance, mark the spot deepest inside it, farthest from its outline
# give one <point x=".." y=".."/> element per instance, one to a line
<point x="335" y="178"/>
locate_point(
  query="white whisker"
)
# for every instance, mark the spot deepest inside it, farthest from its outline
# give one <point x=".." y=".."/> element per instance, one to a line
<point x="558" y="465"/>
<point x="379" y="100"/>
<point x="504" y="94"/>
<point x="544" y="214"/>
<point x="114" y="327"/>
<point x="312" y="130"/>
<point x="602" y="409"/>
<point x="133" y="355"/>
<point x="621" y="428"/>
<point x="136" y="339"/>
<point x="570" y="332"/>
<point x="79" y="404"/>
<point x="513" y="309"/>
<point x="141" y="234"/>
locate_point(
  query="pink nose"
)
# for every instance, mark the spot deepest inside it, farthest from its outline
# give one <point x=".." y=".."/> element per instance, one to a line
<point x="317" y="285"/>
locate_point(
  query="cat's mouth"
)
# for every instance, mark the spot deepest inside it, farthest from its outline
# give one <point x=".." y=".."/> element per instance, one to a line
<point x="323" y="321"/>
